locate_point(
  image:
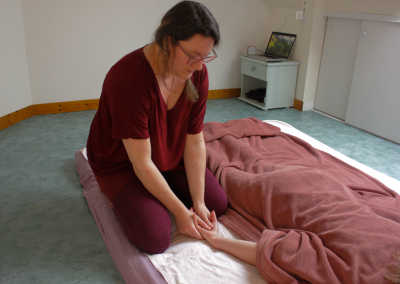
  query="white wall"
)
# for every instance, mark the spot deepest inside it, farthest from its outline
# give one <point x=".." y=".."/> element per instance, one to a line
<point x="72" y="44"/>
<point x="315" y="51"/>
<point x="378" y="7"/>
<point x="14" y="80"/>
<point x="309" y="42"/>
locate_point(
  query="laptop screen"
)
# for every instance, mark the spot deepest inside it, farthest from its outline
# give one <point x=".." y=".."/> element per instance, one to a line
<point x="280" y="45"/>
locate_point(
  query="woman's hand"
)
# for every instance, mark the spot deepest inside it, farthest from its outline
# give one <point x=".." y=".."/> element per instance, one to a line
<point x="204" y="214"/>
<point x="210" y="235"/>
<point x="185" y="225"/>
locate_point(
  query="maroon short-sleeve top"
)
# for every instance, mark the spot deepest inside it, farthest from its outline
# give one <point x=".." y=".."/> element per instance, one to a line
<point x="131" y="106"/>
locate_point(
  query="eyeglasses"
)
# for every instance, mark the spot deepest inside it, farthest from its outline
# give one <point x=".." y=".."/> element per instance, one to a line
<point x="195" y="59"/>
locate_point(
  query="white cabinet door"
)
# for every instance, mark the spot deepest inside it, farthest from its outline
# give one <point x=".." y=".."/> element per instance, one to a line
<point x="375" y="91"/>
<point x="337" y="65"/>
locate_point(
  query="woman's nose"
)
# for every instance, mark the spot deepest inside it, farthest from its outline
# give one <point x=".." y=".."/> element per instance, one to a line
<point x="198" y="65"/>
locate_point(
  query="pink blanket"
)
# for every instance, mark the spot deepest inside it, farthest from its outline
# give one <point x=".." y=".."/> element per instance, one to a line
<point x="316" y="219"/>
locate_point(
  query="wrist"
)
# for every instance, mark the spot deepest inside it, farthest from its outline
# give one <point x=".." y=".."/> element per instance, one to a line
<point x="179" y="210"/>
<point x="216" y="241"/>
<point x="197" y="202"/>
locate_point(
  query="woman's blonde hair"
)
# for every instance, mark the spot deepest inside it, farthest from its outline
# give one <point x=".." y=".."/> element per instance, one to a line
<point x="393" y="274"/>
<point x="182" y="22"/>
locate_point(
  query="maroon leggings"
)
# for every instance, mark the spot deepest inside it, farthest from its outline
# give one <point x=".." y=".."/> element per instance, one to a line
<point x="145" y="220"/>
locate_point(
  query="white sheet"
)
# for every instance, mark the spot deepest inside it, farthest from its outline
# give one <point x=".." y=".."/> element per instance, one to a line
<point x="386" y="180"/>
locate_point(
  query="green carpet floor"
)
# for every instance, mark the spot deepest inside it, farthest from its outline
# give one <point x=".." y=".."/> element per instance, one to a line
<point x="47" y="233"/>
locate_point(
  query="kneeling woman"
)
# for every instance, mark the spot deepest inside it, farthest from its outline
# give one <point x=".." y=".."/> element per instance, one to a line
<point x="146" y="145"/>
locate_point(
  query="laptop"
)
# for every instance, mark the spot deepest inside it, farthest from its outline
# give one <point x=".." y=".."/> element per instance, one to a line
<point x="279" y="47"/>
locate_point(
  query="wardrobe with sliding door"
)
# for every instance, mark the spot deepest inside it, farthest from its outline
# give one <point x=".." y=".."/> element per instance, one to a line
<point x="359" y="80"/>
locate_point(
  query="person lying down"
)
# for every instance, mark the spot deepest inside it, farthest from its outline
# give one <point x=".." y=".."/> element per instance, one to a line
<point x="314" y="218"/>
<point x="253" y="253"/>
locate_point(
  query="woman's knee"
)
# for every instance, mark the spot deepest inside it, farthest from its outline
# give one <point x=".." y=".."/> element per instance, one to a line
<point x="221" y="207"/>
<point x="144" y="220"/>
<point x="151" y="243"/>
<point x="215" y="197"/>
<point x="150" y="235"/>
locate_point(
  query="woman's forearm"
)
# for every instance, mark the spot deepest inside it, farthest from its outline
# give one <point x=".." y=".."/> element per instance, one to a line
<point x="194" y="156"/>
<point x="139" y="152"/>
<point x="155" y="183"/>
<point x="244" y="250"/>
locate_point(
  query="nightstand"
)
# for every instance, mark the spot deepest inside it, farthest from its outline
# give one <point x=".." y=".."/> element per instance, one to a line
<point x="279" y="80"/>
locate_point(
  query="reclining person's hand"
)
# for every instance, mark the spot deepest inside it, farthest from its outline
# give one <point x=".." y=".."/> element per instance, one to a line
<point x="211" y="235"/>
<point x="244" y="250"/>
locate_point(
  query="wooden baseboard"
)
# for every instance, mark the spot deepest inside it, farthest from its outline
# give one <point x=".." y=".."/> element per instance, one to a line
<point x="94" y="104"/>
<point x="39" y="109"/>
<point x="15" y="117"/>
<point x="66" y="107"/>
<point x="298" y="105"/>
<point x="223" y="93"/>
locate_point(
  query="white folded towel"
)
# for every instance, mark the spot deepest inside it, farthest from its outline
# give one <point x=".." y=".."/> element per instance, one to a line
<point x="191" y="261"/>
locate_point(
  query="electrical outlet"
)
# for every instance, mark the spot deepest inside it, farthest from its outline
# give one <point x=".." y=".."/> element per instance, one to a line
<point x="304" y="8"/>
